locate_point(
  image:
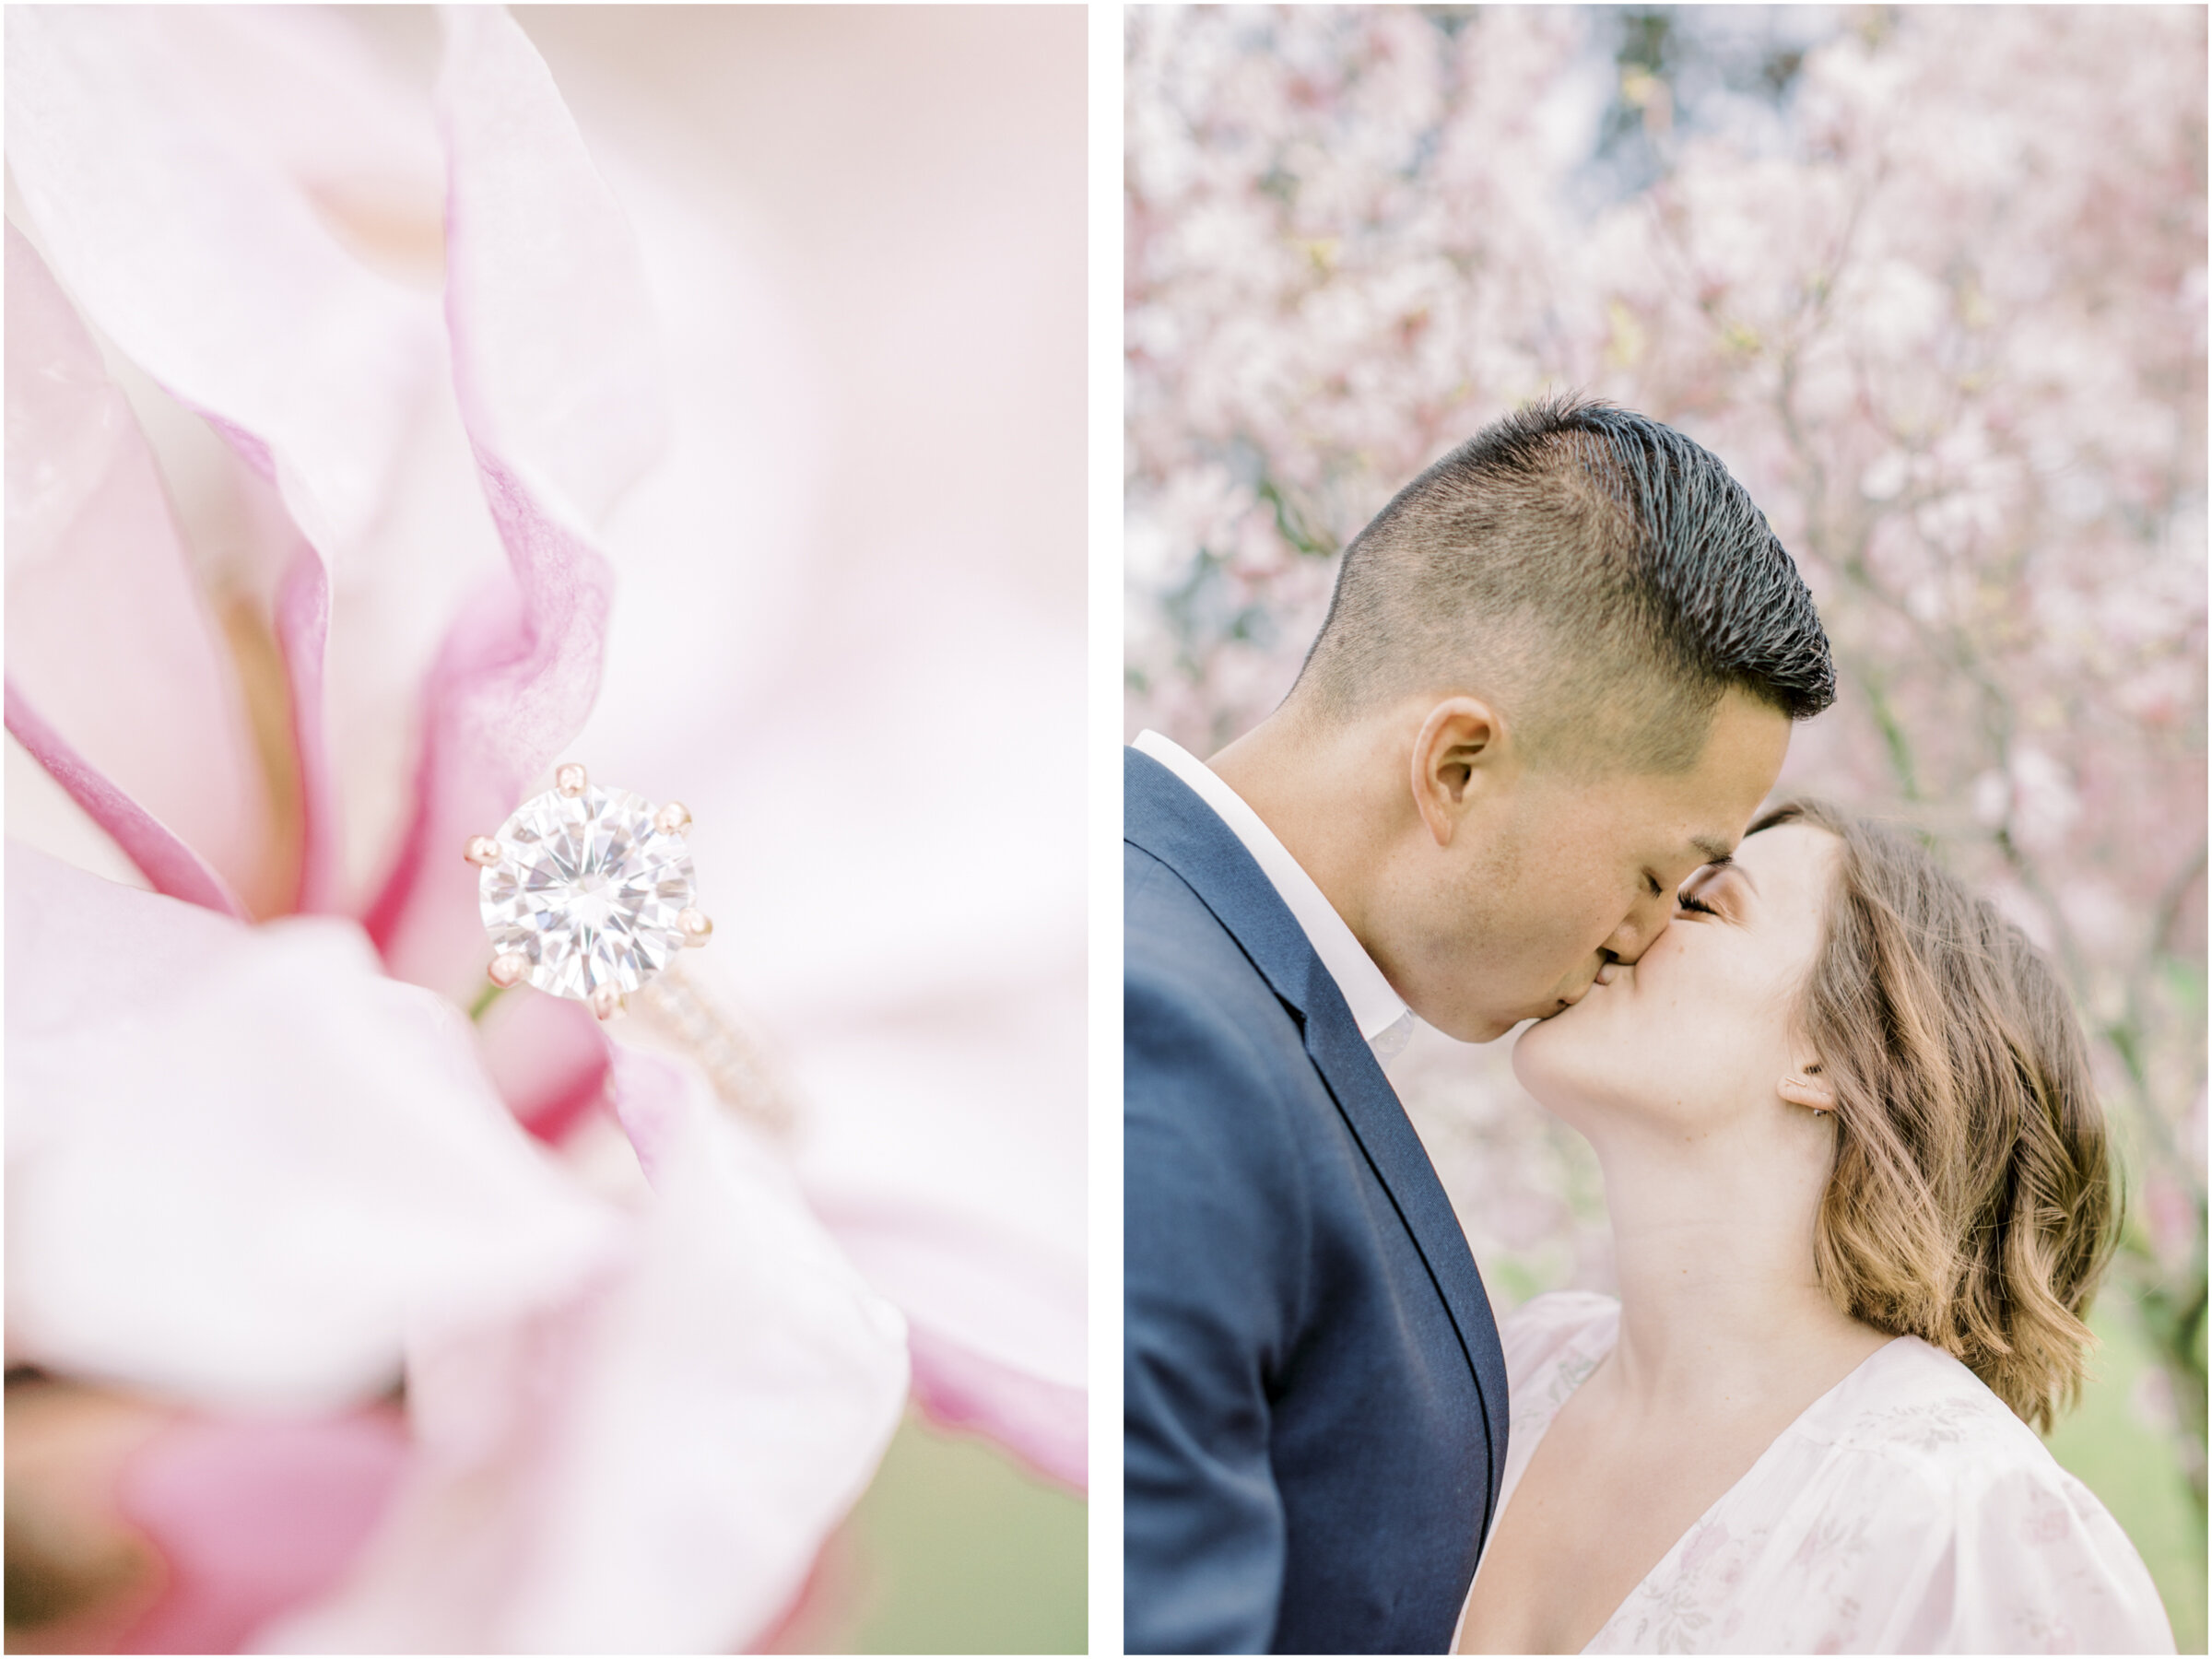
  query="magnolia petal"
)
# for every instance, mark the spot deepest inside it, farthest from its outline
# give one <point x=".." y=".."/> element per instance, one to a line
<point x="556" y="346"/>
<point x="439" y="1574"/>
<point x="304" y="639"/>
<point x="940" y="1066"/>
<point x="1047" y="1424"/>
<point x="304" y="89"/>
<point x="108" y="635"/>
<point x="391" y="612"/>
<point x="554" y="362"/>
<point x="172" y="868"/>
<point x="656" y="1469"/>
<point x="549" y="1058"/>
<point x="255" y="1518"/>
<point x="706" y="621"/>
<point x="514" y="681"/>
<point x="170" y="218"/>
<point x="302" y="164"/>
<point x="186" y="1095"/>
<point x="952" y="1172"/>
<point x="749" y="1383"/>
<point x="946" y="1151"/>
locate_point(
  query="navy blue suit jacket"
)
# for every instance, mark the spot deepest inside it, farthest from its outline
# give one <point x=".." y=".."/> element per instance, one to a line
<point x="1315" y="1421"/>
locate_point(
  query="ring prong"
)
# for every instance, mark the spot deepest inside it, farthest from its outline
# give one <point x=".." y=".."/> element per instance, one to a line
<point x="482" y="850"/>
<point x="571" y="779"/>
<point x="673" y="818"/>
<point x="508" y="966"/>
<point x="606" y="1002"/>
<point x="695" y="926"/>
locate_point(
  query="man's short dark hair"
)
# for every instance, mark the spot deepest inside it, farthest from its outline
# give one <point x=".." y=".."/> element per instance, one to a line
<point x="1600" y="567"/>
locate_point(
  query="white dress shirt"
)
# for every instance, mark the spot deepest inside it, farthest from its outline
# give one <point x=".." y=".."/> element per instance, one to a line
<point x="1380" y="1013"/>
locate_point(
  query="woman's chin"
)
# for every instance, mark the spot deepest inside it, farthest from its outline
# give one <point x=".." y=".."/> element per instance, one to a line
<point x="1537" y="1046"/>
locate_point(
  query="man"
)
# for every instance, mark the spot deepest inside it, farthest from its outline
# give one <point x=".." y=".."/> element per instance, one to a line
<point x="1557" y="677"/>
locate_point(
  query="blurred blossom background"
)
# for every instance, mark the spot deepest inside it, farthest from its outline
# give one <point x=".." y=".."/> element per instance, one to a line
<point x="400" y="403"/>
<point x="1931" y="282"/>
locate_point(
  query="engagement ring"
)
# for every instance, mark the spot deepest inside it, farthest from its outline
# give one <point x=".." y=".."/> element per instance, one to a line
<point x="587" y="893"/>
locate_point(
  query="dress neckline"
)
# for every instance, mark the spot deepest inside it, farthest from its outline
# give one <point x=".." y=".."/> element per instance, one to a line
<point x="1596" y="1353"/>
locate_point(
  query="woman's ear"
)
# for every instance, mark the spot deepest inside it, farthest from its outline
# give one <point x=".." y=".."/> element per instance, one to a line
<point x="1807" y="1087"/>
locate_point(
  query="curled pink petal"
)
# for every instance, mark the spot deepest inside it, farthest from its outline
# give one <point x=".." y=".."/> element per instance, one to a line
<point x="255" y="1518"/>
<point x="652" y="1095"/>
<point x="302" y="638"/>
<point x="556" y="346"/>
<point x="172" y="868"/>
<point x="548" y="1057"/>
<point x="513" y="682"/>
<point x="997" y="1323"/>
<point x="241" y="1164"/>
<point x="553" y="353"/>
<point x="108" y="635"/>
<point x="227" y="191"/>
<point x="157" y="194"/>
<point x="1046" y="1424"/>
<point x="653" y="1469"/>
<point x="749" y="1383"/>
<point x="945" y="1152"/>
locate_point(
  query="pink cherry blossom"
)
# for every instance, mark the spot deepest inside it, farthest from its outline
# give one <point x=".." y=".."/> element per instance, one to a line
<point x="343" y="423"/>
<point x="1940" y="306"/>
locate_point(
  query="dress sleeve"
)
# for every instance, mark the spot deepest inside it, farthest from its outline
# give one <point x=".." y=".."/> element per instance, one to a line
<point x="2029" y="1561"/>
<point x="1212" y="1219"/>
<point x="1548" y="1335"/>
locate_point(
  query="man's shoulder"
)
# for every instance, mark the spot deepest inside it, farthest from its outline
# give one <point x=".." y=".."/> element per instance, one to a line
<point x="1205" y="1036"/>
<point x="1158" y="900"/>
<point x="1175" y="947"/>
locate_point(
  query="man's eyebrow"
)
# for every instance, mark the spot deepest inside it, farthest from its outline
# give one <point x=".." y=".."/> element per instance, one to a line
<point x="1715" y="851"/>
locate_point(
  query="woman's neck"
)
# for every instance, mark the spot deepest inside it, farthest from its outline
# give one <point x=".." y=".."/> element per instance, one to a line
<point x="1720" y="1303"/>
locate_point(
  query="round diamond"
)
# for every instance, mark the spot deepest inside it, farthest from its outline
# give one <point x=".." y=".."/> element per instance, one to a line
<point x="588" y="890"/>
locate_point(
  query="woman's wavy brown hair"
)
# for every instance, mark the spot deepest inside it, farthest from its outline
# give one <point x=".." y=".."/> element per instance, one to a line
<point x="1973" y="1202"/>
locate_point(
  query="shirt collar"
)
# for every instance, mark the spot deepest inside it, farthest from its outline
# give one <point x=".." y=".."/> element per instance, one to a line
<point x="1380" y="1012"/>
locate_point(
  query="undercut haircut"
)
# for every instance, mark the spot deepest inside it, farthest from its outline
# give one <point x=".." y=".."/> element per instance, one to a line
<point x="1598" y="574"/>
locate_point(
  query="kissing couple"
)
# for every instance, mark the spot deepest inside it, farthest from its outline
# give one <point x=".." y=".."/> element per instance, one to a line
<point x="1856" y="1170"/>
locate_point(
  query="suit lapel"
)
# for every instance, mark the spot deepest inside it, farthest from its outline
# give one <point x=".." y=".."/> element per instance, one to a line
<point x="1165" y="818"/>
<point x="1379" y="1122"/>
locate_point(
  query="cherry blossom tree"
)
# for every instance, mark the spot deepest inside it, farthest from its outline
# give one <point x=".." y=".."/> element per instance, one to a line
<point x="1932" y="284"/>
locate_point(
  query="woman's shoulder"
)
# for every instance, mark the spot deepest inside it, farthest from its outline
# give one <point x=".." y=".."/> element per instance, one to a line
<point x="1551" y="1341"/>
<point x="1914" y="1403"/>
<point x="1947" y="1471"/>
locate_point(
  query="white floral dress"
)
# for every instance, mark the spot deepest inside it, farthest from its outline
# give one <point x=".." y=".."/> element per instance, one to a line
<point x="1908" y="1511"/>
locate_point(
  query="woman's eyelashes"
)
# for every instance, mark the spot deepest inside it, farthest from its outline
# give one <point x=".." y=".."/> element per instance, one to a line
<point x="1690" y="901"/>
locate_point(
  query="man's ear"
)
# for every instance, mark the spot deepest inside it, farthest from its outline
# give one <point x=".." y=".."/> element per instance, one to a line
<point x="1460" y="735"/>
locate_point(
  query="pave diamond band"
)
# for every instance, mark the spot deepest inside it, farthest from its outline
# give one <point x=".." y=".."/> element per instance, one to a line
<point x="702" y="1023"/>
<point x="588" y="893"/>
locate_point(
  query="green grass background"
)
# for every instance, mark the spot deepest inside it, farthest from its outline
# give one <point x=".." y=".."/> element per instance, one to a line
<point x="2130" y="1466"/>
<point x="953" y="1548"/>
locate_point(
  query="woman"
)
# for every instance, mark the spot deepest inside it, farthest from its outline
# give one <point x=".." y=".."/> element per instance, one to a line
<point x="1859" y="1189"/>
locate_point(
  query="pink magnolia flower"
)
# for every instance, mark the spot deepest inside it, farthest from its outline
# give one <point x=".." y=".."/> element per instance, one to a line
<point x="333" y="417"/>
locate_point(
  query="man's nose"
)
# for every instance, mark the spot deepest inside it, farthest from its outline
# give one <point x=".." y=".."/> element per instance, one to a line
<point x="1635" y="934"/>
